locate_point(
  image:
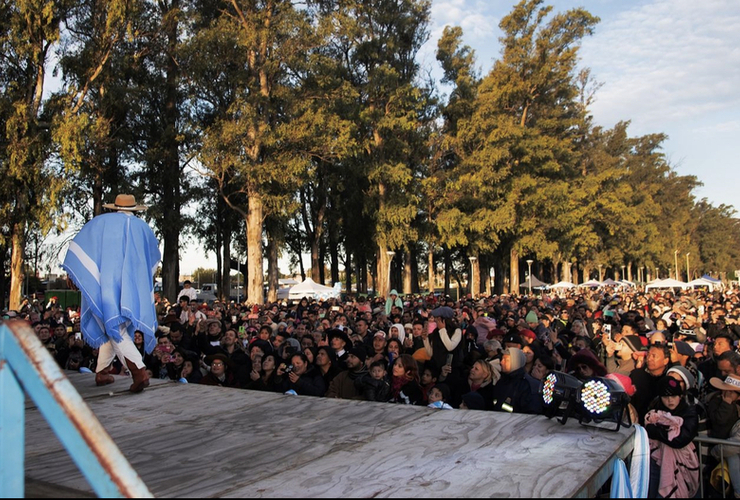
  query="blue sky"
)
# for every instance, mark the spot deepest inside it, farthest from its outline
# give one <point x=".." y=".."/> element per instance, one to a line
<point x="667" y="66"/>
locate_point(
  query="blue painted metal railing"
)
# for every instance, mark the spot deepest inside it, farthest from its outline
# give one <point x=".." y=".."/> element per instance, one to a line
<point x="27" y="367"/>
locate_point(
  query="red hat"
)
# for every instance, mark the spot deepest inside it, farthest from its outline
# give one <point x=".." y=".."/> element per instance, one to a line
<point x="528" y="334"/>
<point x="588" y="358"/>
<point x="495" y="332"/>
<point x="624" y="381"/>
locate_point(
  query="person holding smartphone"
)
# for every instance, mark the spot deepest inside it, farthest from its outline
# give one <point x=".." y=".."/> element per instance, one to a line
<point x="445" y="347"/>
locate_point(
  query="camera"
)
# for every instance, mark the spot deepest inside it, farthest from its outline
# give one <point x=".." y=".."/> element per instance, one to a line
<point x="288" y="369"/>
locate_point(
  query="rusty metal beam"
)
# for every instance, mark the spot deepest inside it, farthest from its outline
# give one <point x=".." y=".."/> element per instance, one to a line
<point x="25" y="359"/>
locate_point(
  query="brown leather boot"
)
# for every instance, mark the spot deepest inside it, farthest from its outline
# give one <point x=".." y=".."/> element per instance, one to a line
<point x="103" y="377"/>
<point x="141" y="378"/>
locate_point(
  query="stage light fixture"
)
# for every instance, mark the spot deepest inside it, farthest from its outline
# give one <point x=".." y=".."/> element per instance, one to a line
<point x="559" y="395"/>
<point x="603" y="400"/>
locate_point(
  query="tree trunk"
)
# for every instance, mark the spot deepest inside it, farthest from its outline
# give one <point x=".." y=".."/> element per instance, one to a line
<point x="171" y="201"/>
<point x="322" y="267"/>
<point x="301" y="268"/>
<point x="430" y="269"/>
<point x="3" y="274"/>
<point x="348" y="272"/>
<point x="475" y="278"/>
<point x="333" y="254"/>
<point x="315" y="260"/>
<point x="629" y="272"/>
<point x="499" y="284"/>
<point x="16" y="267"/>
<point x="407" y="272"/>
<point x="225" y="272"/>
<point x="486" y="275"/>
<point x="361" y="272"/>
<point x="448" y="268"/>
<point x="272" y="268"/>
<point x="514" y="271"/>
<point x="255" y="272"/>
<point x="415" y="269"/>
<point x="383" y="280"/>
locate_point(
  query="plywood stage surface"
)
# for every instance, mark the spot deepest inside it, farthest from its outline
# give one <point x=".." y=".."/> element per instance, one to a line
<point x="197" y="441"/>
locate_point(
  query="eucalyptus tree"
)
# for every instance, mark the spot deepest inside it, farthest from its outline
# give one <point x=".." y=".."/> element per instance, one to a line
<point x="260" y="122"/>
<point x="92" y="105"/>
<point x="29" y="30"/>
<point x="518" y="147"/>
<point x="453" y="209"/>
<point x="377" y="42"/>
<point x="717" y="238"/>
<point x="161" y="142"/>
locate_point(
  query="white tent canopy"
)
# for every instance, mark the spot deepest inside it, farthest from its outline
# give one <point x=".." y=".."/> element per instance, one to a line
<point x="699" y="282"/>
<point x="535" y="283"/>
<point x="666" y="283"/>
<point x="562" y="284"/>
<point x="592" y="284"/>
<point x="312" y="290"/>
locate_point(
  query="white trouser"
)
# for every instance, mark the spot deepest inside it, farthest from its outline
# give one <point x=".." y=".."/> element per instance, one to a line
<point x="125" y="349"/>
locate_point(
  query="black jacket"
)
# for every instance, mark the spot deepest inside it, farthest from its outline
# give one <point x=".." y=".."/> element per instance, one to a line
<point x="515" y="390"/>
<point x="310" y="383"/>
<point x="646" y="390"/>
<point x="409" y="394"/>
<point x="689" y="429"/>
<point x="373" y="389"/>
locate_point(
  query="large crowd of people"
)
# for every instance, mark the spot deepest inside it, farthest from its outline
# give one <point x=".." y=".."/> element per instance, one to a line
<point x="674" y="353"/>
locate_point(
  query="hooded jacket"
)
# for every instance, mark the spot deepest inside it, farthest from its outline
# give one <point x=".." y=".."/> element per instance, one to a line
<point x="515" y="390"/>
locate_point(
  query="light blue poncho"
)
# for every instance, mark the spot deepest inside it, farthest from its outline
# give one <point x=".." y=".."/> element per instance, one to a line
<point x="112" y="260"/>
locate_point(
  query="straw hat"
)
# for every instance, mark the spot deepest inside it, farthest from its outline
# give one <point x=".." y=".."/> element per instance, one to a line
<point x="126" y="203"/>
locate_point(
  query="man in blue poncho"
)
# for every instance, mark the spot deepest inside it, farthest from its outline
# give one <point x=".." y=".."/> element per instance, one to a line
<point x="112" y="261"/>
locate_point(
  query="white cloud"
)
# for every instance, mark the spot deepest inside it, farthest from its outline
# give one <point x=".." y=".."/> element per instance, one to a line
<point x="665" y="61"/>
<point x="728" y="127"/>
<point x="474" y="16"/>
<point x="479" y="25"/>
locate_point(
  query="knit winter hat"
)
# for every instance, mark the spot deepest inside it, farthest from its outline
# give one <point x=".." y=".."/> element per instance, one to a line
<point x="474" y="401"/>
<point x="633" y="342"/>
<point x="685" y="374"/>
<point x="532" y="317"/>
<point x="669" y="386"/>
<point x="624" y="381"/>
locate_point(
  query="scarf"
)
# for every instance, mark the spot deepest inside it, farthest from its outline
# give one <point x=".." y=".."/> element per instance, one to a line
<point x="398" y="383"/>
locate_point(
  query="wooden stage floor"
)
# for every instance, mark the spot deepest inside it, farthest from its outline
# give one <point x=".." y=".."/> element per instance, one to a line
<point x="197" y="441"/>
